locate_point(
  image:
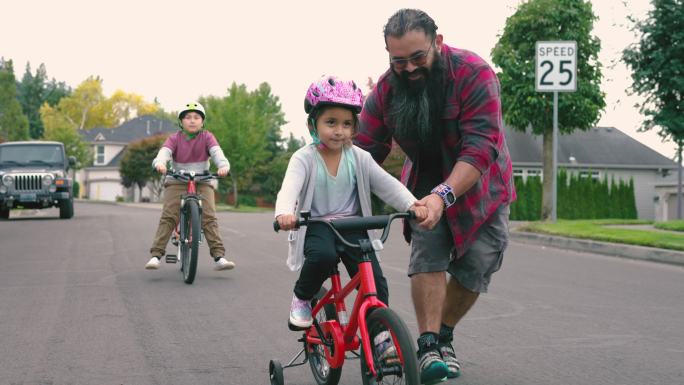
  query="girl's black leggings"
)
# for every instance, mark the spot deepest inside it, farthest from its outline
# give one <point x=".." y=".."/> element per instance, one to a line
<point x="321" y="251"/>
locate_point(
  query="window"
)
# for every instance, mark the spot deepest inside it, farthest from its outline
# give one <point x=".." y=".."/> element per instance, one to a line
<point x="533" y="172"/>
<point x="517" y="172"/>
<point x="586" y="174"/>
<point x="99" y="155"/>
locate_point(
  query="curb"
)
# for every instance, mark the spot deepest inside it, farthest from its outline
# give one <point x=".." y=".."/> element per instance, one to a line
<point x="605" y="248"/>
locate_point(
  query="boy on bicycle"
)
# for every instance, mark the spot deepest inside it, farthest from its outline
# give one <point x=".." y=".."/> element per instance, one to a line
<point x="190" y="149"/>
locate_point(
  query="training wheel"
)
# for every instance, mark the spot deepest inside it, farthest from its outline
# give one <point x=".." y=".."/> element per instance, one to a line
<point x="275" y="371"/>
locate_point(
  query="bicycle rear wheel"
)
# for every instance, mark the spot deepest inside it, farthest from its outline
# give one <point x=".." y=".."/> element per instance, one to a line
<point x="322" y="372"/>
<point x="396" y="363"/>
<point x="190" y="235"/>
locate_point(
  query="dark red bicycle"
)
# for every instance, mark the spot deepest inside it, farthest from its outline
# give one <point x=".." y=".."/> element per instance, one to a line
<point x="188" y="233"/>
<point x="332" y="335"/>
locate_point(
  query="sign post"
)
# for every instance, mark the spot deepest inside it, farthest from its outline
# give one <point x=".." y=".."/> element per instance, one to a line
<point x="556" y="71"/>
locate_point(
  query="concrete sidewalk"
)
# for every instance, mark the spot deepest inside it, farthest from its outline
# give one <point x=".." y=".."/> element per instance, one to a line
<point x="606" y="248"/>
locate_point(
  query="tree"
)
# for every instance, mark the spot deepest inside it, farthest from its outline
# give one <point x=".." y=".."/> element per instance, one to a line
<point x="73" y="143"/>
<point x="657" y="64"/>
<point x="88" y="107"/>
<point x="136" y="164"/>
<point x="523" y="107"/>
<point x="13" y="123"/>
<point x="124" y="106"/>
<point x="33" y="91"/>
<point x="243" y="122"/>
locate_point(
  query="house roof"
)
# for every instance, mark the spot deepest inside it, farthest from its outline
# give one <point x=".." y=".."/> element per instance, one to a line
<point x="129" y="131"/>
<point x="598" y="147"/>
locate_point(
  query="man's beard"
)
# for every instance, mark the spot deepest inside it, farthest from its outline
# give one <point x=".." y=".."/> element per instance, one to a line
<point x="416" y="105"/>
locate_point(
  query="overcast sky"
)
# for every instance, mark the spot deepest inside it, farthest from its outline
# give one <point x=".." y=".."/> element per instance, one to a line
<point x="177" y="51"/>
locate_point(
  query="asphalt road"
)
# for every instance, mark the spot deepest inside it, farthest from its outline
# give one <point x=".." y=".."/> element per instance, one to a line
<point x="77" y="307"/>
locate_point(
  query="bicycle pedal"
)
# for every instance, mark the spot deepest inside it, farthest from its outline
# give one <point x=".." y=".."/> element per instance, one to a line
<point x="170" y="258"/>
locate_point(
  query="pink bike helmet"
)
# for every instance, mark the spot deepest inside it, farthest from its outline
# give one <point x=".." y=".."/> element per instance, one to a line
<point x="330" y="90"/>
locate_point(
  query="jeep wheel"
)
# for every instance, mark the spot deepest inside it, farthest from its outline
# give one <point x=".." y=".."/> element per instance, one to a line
<point x="4" y="213"/>
<point x="66" y="209"/>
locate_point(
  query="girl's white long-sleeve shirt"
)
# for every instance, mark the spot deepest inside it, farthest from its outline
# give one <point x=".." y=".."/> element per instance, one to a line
<point x="297" y="190"/>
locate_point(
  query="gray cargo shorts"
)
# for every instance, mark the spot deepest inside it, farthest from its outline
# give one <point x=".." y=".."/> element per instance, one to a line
<point x="433" y="251"/>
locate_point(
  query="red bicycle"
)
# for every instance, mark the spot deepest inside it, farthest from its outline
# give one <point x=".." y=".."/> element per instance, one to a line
<point x="332" y="335"/>
<point x="188" y="233"/>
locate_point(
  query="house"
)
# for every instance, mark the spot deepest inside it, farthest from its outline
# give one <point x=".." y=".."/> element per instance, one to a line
<point x="604" y="151"/>
<point x="102" y="180"/>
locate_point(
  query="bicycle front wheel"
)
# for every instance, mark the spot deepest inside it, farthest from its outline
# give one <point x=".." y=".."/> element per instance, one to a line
<point x="394" y="355"/>
<point x="190" y="236"/>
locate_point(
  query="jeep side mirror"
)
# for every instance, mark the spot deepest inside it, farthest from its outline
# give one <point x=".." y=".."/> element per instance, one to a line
<point x="72" y="162"/>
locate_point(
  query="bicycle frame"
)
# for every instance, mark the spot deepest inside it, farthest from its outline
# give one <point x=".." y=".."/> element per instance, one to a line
<point x="191" y="192"/>
<point x="365" y="299"/>
<point x="344" y="336"/>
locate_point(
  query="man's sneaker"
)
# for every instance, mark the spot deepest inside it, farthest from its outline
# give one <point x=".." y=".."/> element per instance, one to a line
<point x="153" y="263"/>
<point x="223" y="264"/>
<point x="385" y="350"/>
<point x="432" y="367"/>
<point x="449" y="357"/>
<point x="300" y="314"/>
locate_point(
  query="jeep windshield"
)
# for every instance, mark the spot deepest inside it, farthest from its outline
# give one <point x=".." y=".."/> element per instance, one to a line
<point x="31" y="155"/>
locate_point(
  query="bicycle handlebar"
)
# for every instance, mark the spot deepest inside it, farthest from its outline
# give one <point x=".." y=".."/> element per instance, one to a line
<point x="191" y="175"/>
<point x="354" y="223"/>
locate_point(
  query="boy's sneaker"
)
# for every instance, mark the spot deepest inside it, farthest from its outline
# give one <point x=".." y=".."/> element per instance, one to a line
<point x="223" y="264"/>
<point x="449" y="357"/>
<point x="432" y="367"/>
<point x="153" y="263"/>
<point x="385" y="349"/>
<point x="300" y="314"/>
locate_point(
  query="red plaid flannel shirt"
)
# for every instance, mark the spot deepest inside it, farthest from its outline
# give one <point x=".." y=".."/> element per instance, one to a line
<point x="473" y="133"/>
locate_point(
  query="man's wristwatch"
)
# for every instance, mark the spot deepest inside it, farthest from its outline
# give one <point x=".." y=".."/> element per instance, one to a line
<point x="446" y="193"/>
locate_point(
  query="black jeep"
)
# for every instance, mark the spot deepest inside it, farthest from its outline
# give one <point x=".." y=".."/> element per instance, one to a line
<point x="35" y="175"/>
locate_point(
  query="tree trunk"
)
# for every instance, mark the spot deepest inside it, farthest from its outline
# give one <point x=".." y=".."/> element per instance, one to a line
<point x="235" y="191"/>
<point x="547" y="165"/>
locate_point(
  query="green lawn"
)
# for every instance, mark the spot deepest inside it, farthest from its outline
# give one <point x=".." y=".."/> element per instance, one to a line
<point x="243" y="209"/>
<point x="670" y="225"/>
<point x="597" y="230"/>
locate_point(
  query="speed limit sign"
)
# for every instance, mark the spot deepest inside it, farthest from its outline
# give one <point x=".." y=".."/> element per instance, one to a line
<point x="556" y="66"/>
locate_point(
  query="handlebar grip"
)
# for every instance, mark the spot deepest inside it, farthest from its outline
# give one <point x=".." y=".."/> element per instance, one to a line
<point x="412" y="214"/>
<point x="276" y="226"/>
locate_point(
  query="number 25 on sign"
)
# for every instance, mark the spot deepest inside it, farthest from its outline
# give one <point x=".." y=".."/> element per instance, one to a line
<point x="556" y="66"/>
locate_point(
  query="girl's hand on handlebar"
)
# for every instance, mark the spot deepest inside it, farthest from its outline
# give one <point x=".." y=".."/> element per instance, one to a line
<point x="420" y="211"/>
<point x="161" y="168"/>
<point x="223" y="171"/>
<point x="287" y="221"/>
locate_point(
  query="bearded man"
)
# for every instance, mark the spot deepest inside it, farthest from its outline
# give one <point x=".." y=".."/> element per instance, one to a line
<point x="442" y="107"/>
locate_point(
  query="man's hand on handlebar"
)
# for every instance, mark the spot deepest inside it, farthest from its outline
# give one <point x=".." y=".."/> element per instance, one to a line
<point x="161" y="168"/>
<point x="286" y="221"/>
<point x="420" y="211"/>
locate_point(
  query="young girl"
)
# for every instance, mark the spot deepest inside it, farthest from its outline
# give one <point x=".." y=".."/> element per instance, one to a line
<point x="190" y="149"/>
<point x="332" y="178"/>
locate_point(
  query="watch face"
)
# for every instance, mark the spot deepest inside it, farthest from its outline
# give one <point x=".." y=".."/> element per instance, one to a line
<point x="450" y="198"/>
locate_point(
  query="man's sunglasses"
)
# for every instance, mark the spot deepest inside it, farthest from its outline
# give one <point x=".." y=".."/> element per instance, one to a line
<point x="417" y="60"/>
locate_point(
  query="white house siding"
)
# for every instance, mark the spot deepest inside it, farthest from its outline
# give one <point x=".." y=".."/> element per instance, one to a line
<point x="110" y="151"/>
